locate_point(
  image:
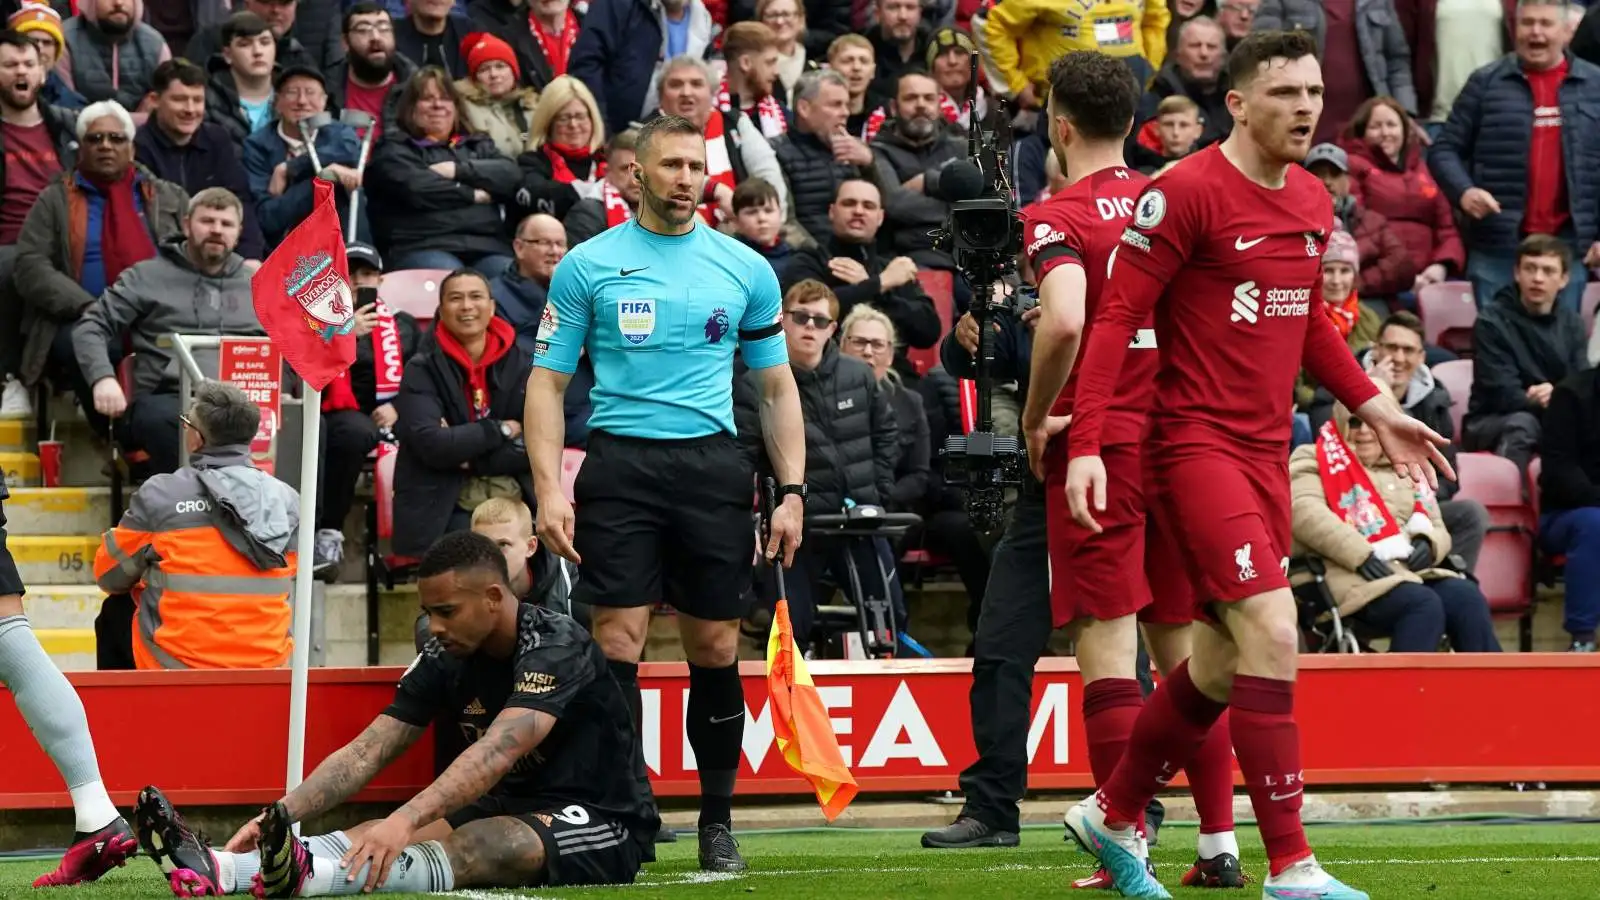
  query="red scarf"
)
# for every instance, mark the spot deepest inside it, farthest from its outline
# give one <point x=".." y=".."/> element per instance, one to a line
<point x="557" y="48"/>
<point x="561" y="158"/>
<point x="617" y="208"/>
<point x="124" y="237"/>
<point x="387" y="366"/>
<point x="1345" y="315"/>
<point x="951" y="112"/>
<point x="1348" y="490"/>
<point x="498" y="341"/>
<point x="719" y="167"/>
<point x="768" y="112"/>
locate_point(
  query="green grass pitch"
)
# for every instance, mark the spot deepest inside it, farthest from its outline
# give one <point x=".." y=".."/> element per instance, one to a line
<point x="1443" y="862"/>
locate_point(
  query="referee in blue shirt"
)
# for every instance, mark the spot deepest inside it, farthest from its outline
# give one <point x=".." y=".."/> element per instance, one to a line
<point x="664" y="496"/>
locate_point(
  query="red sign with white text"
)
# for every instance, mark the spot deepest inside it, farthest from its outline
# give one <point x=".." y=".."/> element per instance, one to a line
<point x="256" y="367"/>
<point x="902" y="726"/>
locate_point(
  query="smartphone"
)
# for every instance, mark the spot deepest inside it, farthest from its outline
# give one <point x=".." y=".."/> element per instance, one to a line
<point x="366" y="296"/>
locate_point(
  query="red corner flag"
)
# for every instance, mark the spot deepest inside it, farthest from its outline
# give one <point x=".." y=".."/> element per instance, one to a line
<point x="800" y="721"/>
<point x="302" y="295"/>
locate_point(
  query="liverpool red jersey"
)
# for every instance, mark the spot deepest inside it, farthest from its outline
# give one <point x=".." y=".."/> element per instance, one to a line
<point x="1080" y="227"/>
<point x="1233" y="272"/>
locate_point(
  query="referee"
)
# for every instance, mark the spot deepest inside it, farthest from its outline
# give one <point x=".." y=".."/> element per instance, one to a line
<point x="664" y="496"/>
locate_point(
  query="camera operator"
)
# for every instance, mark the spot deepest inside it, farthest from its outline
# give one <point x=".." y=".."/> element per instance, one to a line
<point x="852" y="445"/>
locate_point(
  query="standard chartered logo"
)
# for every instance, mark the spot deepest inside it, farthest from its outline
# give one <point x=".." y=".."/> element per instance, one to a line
<point x="1249" y="304"/>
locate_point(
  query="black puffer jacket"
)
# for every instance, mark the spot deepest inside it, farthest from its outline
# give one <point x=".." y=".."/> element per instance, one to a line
<point x="1515" y="350"/>
<point x="910" y="216"/>
<point x="814" y="177"/>
<point x="1570" y="444"/>
<point x="852" y="441"/>
<point x="911" y="471"/>
<point x="415" y="208"/>
<point x="538" y="190"/>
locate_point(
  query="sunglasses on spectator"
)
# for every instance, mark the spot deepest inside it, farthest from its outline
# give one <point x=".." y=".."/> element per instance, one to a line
<point x="114" y="138"/>
<point x="1357" y="423"/>
<point x="815" y="320"/>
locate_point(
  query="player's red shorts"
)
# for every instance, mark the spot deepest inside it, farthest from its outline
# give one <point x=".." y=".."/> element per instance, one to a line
<point x="1230" y="518"/>
<point x="1098" y="576"/>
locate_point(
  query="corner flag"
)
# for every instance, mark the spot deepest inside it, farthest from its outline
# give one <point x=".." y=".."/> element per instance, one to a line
<point x="800" y="722"/>
<point x="302" y="295"/>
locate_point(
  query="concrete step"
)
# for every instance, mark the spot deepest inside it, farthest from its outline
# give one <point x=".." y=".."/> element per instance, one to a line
<point x="59" y="510"/>
<point x="21" y="468"/>
<point x="54" y="559"/>
<point x="83" y="455"/>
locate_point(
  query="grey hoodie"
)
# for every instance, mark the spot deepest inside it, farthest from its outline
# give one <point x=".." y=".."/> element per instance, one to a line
<point x="154" y="298"/>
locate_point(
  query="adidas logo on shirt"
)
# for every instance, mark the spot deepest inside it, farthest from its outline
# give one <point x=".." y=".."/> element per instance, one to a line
<point x="1279" y="302"/>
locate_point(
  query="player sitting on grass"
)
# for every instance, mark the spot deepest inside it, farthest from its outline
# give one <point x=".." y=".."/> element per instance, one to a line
<point x="552" y="789"/>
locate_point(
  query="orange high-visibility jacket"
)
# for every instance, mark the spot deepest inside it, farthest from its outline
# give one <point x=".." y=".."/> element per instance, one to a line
<point x="208" y="554"/>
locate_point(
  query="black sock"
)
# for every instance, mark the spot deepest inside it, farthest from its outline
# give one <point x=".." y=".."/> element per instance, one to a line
<point x="716" y="734"/>
<point x="627" y="675"/>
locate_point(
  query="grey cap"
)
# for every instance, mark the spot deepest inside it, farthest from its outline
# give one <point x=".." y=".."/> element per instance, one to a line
<point x="363" y="253"/>
<point x="1331" y="154"/>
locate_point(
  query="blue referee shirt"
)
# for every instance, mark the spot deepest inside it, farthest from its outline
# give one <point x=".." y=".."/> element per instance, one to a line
<point x="659" y="315"/>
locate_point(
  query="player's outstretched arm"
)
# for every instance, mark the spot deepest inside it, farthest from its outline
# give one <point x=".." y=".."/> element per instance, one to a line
<point x="512" y="735"/>
<point x="351" y="767"/>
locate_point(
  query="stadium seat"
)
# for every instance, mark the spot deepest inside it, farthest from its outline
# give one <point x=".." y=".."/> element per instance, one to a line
<point x="1448" y="312"/>
<point x="940" y="287"/>
<point x="1505" y="566"/>
<point x="387" y="568"/>
<point x="414" y="291"/>
<point x="1456" y="376"/>
<point x="571" y="462"/>
<point x="1591" y="300"/>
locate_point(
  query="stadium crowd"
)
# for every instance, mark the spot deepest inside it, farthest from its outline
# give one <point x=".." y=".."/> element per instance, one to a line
<point x="155" y="153"/>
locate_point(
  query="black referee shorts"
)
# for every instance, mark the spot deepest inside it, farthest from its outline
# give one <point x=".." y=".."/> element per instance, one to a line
<point x="581" y="845"/>
<point x="665" y="520"/>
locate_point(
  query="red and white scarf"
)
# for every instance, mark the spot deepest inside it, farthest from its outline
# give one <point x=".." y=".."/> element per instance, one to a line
<point x="768" y="113"/>
<point x="955" y="115"/>
<point x="617" y="208"/>
<point x="388" y="364"/>
<point x="557" y="48"/>
<point x="1348" y="490"/>
<point x="719" y="167"/>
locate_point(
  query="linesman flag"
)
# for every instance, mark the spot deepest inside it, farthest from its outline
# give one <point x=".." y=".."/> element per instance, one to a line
<point x="800" y="721"/>
<point x="302" y="295"/>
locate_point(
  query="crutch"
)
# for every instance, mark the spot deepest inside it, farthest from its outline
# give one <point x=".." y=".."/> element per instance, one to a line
<point x="309" y="126"/>
<point x="358" y="120"/>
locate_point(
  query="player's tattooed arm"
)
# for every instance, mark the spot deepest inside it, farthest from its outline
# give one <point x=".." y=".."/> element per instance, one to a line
<point x="350" y="767"/>
<point x="513" y="735"/>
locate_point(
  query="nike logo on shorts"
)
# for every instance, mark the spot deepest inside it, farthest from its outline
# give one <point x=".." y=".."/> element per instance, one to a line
<point x="718" y="721"/>
<point x="1276" y="796"/>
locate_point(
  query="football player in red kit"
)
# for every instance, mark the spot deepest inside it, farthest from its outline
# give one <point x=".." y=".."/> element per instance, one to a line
<point x="1226" y="251"/>
<point x="1094" y="592"/>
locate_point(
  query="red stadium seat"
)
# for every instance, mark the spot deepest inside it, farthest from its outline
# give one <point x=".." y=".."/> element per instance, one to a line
<point x="1591" y="300"/>
<point x="1545" y="565"/>
<point x="1456" y="376"/>
<point x="571" y="462"/>
<point x="1448" y="313"/>
<point x="414" y="291"/>
<point x="940" y="287"/>
<point x="1505" y="567"/>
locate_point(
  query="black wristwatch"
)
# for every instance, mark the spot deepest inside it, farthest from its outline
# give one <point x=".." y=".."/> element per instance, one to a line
<point x="798" y="490"/>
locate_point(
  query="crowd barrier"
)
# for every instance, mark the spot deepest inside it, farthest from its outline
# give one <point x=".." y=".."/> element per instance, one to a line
<point x="216" y="738"/>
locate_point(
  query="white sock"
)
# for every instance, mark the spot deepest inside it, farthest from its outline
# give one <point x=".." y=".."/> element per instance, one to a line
<point x="421" y="869"/>
<point x="92" y="806"/>
<point x="1213" y="845"/>
<point x="235" y="871"/>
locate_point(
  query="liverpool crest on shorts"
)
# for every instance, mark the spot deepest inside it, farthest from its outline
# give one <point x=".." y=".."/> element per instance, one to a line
<point x="322" y="294"/>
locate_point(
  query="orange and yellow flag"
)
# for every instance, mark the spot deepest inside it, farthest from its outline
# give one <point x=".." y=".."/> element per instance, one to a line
<point x="800" y="721"/>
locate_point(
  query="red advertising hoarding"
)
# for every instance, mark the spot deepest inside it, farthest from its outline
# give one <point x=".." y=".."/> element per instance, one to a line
<point x="255" y="366"/>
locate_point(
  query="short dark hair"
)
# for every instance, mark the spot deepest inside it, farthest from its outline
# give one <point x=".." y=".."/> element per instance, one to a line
<point x="753" y="191"/>
<point x="626" y="139"/>
<point x="1407" y="320"/>
<point x="910" y="71"/>
<point x="1259" y="47"/>
<point x="17" y="39"/>
<point x="364" y="8"/>
<point x="178" y="70"/>
<point x="662" y="125"/>
<point x="1545" y="245"/>
<point x="1097" y="93"/>
<point x="224" y="414"/>
<point x="465" y="551"/>
<point x="463" y="272"/>
<point x="243" y="24"/>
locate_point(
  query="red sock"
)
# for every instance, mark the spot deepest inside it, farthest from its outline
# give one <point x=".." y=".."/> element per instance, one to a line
<point x="1210" y="773"/>
<point x="1267" y="741"/>
<point x="1167" y="734"/>
<point x="1110" y="707"/>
